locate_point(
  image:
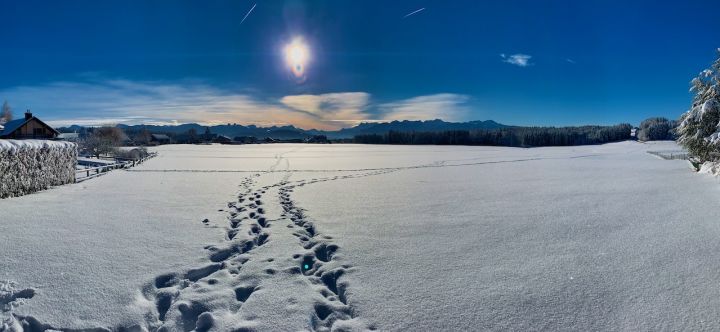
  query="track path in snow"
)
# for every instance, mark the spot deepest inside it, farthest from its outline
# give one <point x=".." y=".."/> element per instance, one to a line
<point x="441" y="164"/>
<point x="272" y="264"/>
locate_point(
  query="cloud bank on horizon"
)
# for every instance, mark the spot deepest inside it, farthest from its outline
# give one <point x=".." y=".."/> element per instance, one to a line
<point x="120" y="101"/>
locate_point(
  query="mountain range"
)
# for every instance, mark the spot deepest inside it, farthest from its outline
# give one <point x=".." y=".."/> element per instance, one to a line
<point x="291" y="132"/>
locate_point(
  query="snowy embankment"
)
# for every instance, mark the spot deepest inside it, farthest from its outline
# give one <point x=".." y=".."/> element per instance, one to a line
<point x="354" y="237"/>
<point x="28" y="166"/>
<point x="710" y="167"/>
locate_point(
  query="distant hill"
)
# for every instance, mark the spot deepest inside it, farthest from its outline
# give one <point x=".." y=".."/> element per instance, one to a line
<point x="229" y="130"/>
<point x="290" y="132"/>
<point x="406" y="126"/>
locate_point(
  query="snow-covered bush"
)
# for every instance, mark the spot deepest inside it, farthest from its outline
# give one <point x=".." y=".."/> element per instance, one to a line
<point x="699" y="129"/>
<point x="28" y="166"/>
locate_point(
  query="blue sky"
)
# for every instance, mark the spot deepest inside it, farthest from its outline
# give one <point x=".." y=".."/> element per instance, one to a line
<point x="516" y="62"/>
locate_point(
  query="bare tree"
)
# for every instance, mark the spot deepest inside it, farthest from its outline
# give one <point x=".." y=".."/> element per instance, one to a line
<point x="5" y="113"/>
<point x="143" y="137"/>
<point x="103" y="140"/>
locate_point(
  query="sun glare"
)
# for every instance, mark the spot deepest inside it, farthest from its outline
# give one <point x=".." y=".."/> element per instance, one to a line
<point x="297" y="56"/>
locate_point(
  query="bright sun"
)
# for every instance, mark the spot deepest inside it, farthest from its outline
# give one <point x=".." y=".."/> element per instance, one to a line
<point x="296" y="56"/>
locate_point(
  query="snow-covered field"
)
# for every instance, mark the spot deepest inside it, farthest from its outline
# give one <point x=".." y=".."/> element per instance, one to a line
<point x="351" y="237"/>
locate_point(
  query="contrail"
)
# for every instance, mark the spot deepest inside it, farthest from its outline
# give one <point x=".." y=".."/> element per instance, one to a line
<point x="415" y="12"/>
<point x="250" y="11"/>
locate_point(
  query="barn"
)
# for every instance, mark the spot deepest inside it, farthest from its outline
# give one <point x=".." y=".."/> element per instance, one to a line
<point x="160" y="139"/>
<point x="28" y="127"/>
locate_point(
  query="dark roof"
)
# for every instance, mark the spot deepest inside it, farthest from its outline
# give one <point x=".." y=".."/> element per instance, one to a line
<point x="13" y="125"/>
<point x="160" y="136"/>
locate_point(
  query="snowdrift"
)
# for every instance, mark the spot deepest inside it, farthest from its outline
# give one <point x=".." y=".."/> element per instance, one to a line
<point x="28" y="166"/>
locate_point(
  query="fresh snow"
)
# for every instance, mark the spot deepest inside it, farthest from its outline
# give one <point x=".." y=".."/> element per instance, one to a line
<point x="13" y="145"/>
<point x="710" y="167"/>
<point x="98" y="161"/>
<point x="356" y="237"/>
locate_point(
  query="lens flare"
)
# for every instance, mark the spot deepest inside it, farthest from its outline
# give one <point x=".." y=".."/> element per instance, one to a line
<point x="297" y="56"/>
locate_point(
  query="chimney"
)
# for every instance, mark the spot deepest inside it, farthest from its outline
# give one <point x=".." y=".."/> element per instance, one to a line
<point x="28" y="115"/>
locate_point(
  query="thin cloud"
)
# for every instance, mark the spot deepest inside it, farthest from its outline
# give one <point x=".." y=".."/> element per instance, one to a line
<point x="248" y="13"/>
<point x="445" y="106"/>
<point x="106" y="121"/>
<point x="346" y="107"/>
<point x="521" y="60"/>
<point x="414" y="12"/>
<point x="570" y="61"/>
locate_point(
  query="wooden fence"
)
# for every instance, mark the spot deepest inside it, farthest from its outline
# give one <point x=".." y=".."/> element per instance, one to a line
<point x="670" y="155"/>
<point x="93" y="172"/>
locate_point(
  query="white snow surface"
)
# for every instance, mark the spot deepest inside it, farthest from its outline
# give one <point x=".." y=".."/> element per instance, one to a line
<point x="710" y="168"/>
<point x="356" y="237"/>
<point x="14" y="145"/>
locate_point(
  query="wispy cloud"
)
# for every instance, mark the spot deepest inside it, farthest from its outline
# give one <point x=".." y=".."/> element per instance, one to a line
<point x="446" y="106"/>
<point x="521" y="60"/>
<point x="102" y="102"/>
<point x="342" y="108"/>
<point x="414" y="12"/>
<point x="570" y="61"/>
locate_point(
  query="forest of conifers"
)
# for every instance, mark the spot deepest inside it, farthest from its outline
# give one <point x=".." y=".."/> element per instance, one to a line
<point x="510" y="136"/>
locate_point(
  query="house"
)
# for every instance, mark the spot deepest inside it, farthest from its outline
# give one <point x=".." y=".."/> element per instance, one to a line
<point x="222" y="139"/>
<point x="160" y="139"/>
<point x="28" y="127"/>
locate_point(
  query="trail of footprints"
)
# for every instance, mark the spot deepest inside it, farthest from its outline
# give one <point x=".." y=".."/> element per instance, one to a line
<point x="311" y="262"/>
<point x="167" y="290"/>
<point x="175" y="295"/>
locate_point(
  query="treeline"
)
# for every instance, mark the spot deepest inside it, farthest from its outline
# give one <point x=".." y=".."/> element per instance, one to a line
<point x="657" y="129"/>
<point x="511" y="136"/>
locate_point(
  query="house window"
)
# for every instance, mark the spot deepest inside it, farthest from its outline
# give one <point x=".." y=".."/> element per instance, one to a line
<point x="38" y="131"/>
